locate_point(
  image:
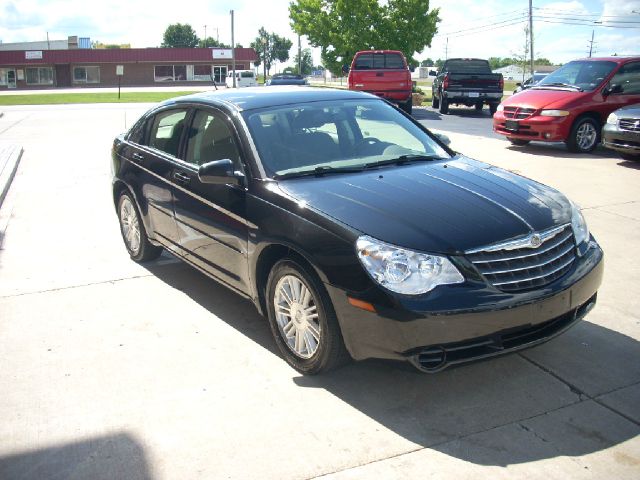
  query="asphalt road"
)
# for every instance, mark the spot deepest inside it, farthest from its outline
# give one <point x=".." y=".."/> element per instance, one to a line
<point x="462" y="119"/>
<point x="114" y="370"/>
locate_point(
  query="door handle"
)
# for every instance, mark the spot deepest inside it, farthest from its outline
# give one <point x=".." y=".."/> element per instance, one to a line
<point x="137" y="156"/>
<point x="181" y="178"/>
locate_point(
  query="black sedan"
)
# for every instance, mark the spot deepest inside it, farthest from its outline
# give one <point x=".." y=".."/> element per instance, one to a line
<point x="352" y="228"/>
<point x="622" y="132"/>
<point x="286" y="79"/>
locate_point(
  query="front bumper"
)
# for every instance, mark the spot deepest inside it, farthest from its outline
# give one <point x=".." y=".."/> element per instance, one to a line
<point x="621" y="140"/>
<point x="537" y="127"/>
<point x="462" y="324"/>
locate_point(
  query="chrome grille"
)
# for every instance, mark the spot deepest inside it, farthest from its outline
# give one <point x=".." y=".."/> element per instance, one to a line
<point x="517" y="113"/>
<point x="518" y="266"/>
<point x="631" y="124"/>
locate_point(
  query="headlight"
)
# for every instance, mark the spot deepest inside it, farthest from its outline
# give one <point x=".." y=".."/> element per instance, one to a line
<point x="405" y="271"/>
<point x="579" y="225"/>
<point x="500" y="108"/>
<point x="554" y="113"/>
<point x="612" y="118"/>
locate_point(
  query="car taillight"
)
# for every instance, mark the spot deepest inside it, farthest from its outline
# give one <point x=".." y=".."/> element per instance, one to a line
<point x="445" y="82"/>
<point x="502" y="84"/>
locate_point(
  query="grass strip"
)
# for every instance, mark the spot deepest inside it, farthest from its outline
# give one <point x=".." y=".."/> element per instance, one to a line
<point x="107" y="97"/>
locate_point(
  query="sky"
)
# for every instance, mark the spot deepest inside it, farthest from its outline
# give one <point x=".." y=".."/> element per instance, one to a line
<point x="474" y="28"/>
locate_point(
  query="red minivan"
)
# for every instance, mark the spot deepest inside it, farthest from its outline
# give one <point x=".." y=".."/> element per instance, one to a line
<point x="384" y="73"/>
<point x="571" y="104"/>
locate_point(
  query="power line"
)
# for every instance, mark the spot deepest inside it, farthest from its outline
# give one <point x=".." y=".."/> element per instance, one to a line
<point x="588" y="24"/>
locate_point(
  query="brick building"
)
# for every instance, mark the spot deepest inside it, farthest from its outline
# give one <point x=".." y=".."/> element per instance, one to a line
<point x="37" y="69"/>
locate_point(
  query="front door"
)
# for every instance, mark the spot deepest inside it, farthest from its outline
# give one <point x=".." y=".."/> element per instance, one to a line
<point x="219" y="74"/>
<point x="11" y="79"/>
<point x="63" y="75"/>
<point x="211" y="219"/>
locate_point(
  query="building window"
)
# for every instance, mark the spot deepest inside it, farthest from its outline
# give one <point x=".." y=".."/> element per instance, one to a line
<point x="86" y="74"/>
<point x="170" y="73"/>
<point x="40" y="76"/>
<point x="4" y="73"/>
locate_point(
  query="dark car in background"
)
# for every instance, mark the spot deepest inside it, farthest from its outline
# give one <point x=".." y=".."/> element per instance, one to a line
<point x="352" y="228"/>
<point x="287" y="79"/>
<point x="571" y="104"/>
<point x="529" y="82"/>
<point x="621" y="132"/>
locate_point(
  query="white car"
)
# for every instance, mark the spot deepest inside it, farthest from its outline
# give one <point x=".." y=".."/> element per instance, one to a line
<point x="244" y="78"/>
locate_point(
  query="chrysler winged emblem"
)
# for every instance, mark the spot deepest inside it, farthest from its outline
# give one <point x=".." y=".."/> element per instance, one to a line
<point x="535" y="241"/>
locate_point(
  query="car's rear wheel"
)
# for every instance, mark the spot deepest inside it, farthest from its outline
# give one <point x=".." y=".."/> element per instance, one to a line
<point x="133" y="232"/>
<point x="518" y="142"/>
<point x="493" y="108"/>
<point x="302" y="319"/>
<point x="479" y="107"/>
<point x="444" y="106"/>
<point x="584" y="136"/>
<point x="407" y="106"/>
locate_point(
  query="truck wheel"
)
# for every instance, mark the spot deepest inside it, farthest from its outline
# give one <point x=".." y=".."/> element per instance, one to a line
<point x="407" y="106"/>
<point x="444" y="106"/>
<point x="479" y="107"/>
<point x="493" y="108"/>
<point x="435" y="101"/>
<point x="584" y="136"/>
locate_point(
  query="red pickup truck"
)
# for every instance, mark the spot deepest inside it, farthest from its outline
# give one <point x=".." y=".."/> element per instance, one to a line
<point x="571" y="104"/>
<point x="384" y="73"/>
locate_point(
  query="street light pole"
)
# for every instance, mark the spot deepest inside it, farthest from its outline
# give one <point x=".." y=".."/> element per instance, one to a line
<point x="233" y="52"/>
<point x="531" y="33"/>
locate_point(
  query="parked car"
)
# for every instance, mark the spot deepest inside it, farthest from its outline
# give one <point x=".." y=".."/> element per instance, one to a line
<point x="622" y="132"/>
<point x="466" y="81"/>
<point x="384" y="73"/>
<point x="571" y="104"/>
<point x="529" y="82"/>
<point x="244" y="78"/>
<point x="287" y="79"/>
<point x="353" y="228"/>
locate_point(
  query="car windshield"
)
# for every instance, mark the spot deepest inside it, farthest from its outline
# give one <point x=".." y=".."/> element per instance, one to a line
<point x="578" y="75"/>
<point x="327" y="137"/>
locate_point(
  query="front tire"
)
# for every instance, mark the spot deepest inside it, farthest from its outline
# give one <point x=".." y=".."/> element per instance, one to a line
<point x="302" y="319"/>
<point x="584" y="136"/>
<point x="435" y="101"/>
<point x="133" y="232"/>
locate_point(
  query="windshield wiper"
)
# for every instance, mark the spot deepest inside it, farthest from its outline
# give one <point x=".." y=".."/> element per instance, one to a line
<point x="321" y="170"/>
<point x="559" y="84"/>
<point x="403" y="159"/>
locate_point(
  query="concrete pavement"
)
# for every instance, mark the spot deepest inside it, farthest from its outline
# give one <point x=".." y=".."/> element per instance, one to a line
<point x="118" y="371"/>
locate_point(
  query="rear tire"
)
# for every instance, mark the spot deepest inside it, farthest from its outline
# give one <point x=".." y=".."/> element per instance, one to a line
<point x="479" y="107"/>
<point x="407" y="106"/>
<point x="493" y="108"/>
<point x="584" y="136"/>
<point x="305" y="326"/>
<point x="133" y="232"/>
<point x="435" y="101"/>
<point x="518" y="142"/>
<point x="444" y="106"/>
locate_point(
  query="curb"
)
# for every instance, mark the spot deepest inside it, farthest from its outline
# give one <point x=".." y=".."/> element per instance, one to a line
<point x="9" y="159"/>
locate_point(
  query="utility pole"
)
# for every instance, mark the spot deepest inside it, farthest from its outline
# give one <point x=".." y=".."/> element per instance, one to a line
<point x="205" y="36"/>
<point x="531" y="32"/>
<point x="233" y="52"/>
<point x="591" y="44"/>
<point x="299" y="56"/>
<point x="446" y="50"/>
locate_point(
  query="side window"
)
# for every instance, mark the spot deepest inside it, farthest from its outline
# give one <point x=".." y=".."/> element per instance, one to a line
<point x="628" y="77"/>
<point x="166" y="130"/>
<point x="364" y="62"/>
<point x="210" y="138"/>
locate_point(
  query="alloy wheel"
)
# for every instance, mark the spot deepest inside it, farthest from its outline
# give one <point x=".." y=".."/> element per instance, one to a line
<point x="586" y="136"/>
<point x="130" y="225"/>
<point x="296" y="314"/>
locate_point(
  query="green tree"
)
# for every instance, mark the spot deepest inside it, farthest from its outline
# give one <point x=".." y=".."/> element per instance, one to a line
<point x="307" y="62"/>
<point x="178" y="35"/>
<point x="341" y="28"/>
<point x="427" y="63"/>
<point x="211" y="42"/>
<point x="439" y="63"/>
<point x="270" y="48"/>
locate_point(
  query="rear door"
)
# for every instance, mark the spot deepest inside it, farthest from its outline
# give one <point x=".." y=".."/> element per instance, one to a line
<point x="211" y="219"/>
<point x="380" y="72"/>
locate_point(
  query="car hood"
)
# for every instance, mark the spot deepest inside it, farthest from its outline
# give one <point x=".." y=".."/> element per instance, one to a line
<point x="440" y="207"/>
<point x="537" y="99"/>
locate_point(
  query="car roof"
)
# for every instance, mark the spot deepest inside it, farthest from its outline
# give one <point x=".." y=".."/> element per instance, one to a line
<point x="617" y="59"/>
<point x="260" y="97"/>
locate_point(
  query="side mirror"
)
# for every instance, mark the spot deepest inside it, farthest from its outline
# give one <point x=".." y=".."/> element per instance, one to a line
<point x="345" y="69"/>
<point x="412" y="68"/>
<point x="614" y="88"/>
<point x="218" y="172"/>
<point x="433" y="73"/>
<point x="518" y="84"/>
<point x="443" y="138"/>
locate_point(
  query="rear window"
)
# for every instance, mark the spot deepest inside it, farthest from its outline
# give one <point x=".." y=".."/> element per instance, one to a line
<point x="379" y="61"/>
<point x="468" y="66"/>
<point x="246" y="74"/>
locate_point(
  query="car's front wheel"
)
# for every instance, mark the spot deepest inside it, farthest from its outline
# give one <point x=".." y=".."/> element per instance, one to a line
<point x="133" y="232"/>
<point x="302" y="319"/>
<point x="444" y="106"/>
<point x="435" y="101"/>
<point x="584" y="136"/>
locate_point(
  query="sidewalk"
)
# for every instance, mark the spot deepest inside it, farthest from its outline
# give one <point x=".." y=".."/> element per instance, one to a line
<point x="9" y="158"/>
